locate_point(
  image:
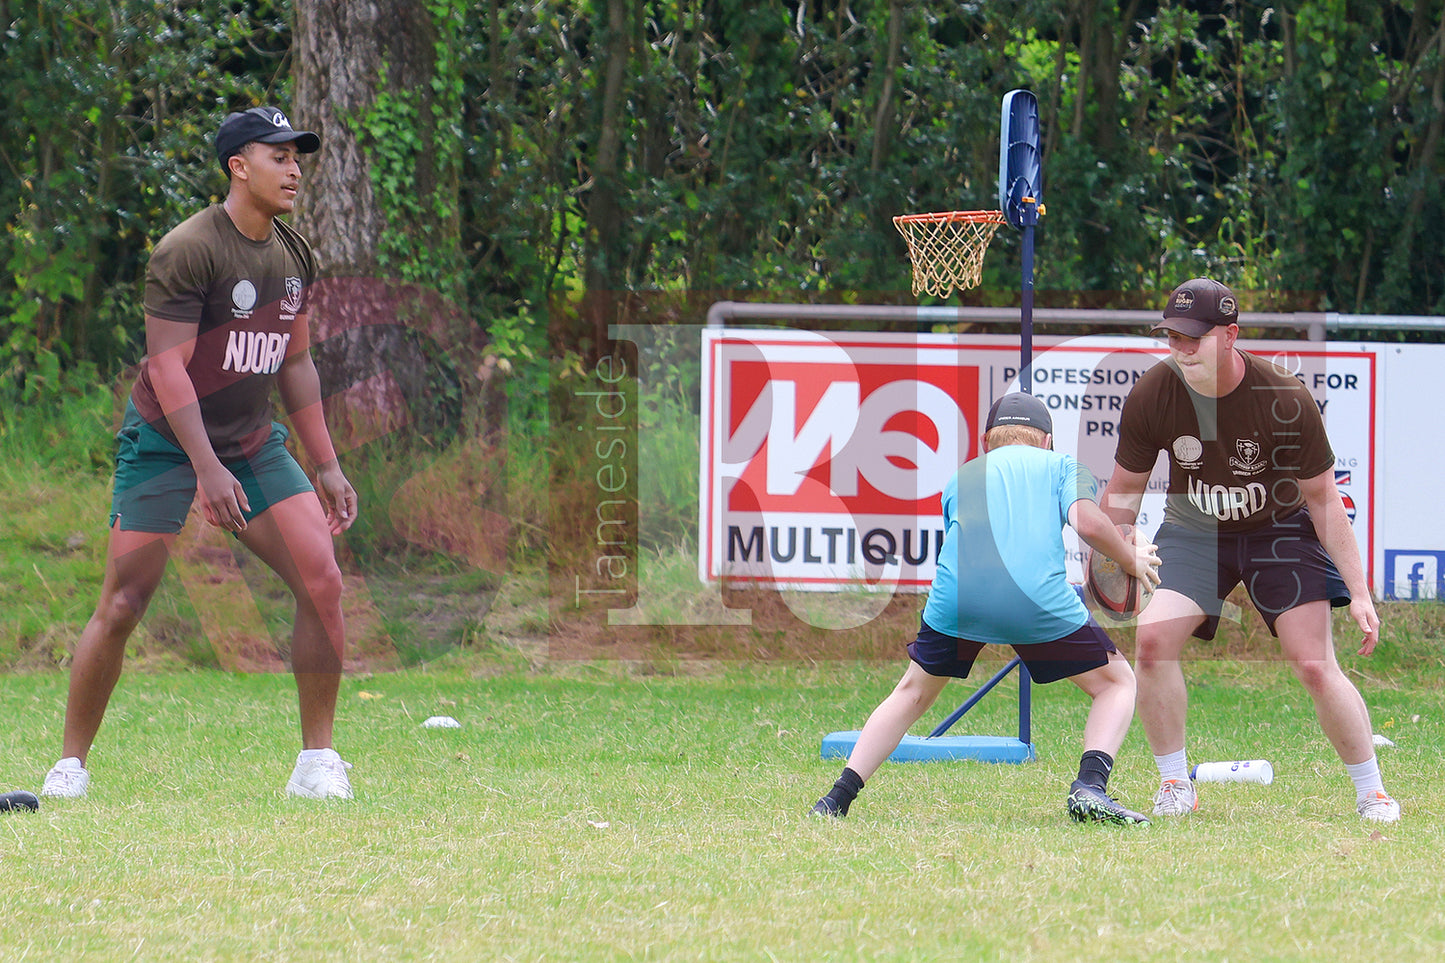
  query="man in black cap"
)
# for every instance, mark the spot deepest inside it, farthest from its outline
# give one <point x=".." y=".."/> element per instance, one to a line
<point x="225" y="319"/>
<point x="1000" y="580"/>
<point x="1252" y="500"/>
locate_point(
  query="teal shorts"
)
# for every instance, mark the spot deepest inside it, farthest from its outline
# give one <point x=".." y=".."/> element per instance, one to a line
<point x="155" y="483"/>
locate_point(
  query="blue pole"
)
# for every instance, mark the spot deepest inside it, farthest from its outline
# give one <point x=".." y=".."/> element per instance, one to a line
<point x="1026" y="732"/>
<point x="1026" y="311"/>
<point x="958" y="713"/>
<point x="1026" y="358"/>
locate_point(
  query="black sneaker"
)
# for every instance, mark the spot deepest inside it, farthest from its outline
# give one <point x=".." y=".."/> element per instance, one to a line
<point x="18" y="800"/>
<point x="1088" y="804"/>
<point x="828" y="806"/>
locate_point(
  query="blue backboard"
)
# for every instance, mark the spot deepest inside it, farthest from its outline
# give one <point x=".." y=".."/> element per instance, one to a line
<point x="1020" y="161"/>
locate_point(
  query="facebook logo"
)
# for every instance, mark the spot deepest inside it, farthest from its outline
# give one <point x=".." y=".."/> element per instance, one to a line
<point x="1411" y="576"/>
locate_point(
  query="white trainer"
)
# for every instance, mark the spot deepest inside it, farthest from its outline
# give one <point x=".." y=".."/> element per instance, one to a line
<point x="1176" y="797"/>
<point x="67" y="780"/>
<point x="1378" y="807"/>
<point x="321" y="777"/>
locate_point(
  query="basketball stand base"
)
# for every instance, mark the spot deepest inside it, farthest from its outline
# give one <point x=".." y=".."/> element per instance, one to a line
<point x="839" y="745"/>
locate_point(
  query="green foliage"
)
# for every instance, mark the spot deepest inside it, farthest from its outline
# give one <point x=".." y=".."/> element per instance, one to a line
<point x="109" y="111"/>
<point x="1360" y="191"/>
<point x="761" y="148"/>
<point x="517" y="353"/>
<point x="55" y="464"/>
<point x="404" y="132"/>
<point x="668" y="384"/>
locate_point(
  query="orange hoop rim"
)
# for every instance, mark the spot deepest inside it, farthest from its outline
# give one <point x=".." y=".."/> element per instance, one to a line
<point x="950" y="217"/>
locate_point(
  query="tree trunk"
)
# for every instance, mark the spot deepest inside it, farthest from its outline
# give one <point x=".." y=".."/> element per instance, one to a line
<point x="379" y="205"/>
<point x="604" y="205"/>
<point x="884" y="116"/>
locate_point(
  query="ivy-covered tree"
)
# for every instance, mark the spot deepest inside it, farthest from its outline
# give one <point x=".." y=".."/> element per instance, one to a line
<point x="382" y="85"/>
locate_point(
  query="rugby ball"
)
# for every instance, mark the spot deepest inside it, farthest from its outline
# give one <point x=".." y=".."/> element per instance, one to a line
<point x="1120" y="595"/>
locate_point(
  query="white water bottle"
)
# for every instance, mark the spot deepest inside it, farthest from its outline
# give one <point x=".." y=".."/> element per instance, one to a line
<point x="1248" y="770"/>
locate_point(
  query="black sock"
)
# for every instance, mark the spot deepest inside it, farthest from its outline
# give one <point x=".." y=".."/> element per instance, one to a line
<point x="1094" y="768"/>
<point x="845" y="790"/>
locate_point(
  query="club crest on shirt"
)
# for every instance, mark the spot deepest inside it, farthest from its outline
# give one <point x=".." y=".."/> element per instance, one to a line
<point x="292" y="304"/>
<point x="1246" y="460"/>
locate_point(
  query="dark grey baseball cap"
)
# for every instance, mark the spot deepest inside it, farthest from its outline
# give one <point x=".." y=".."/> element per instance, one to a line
<point x="265" y="124"/>
<point x="1017" y="408"/>
<point x="1197" y="306"/>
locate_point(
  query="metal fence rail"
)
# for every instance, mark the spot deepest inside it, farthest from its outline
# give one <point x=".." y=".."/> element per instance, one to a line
<point x="1317" y="325"/>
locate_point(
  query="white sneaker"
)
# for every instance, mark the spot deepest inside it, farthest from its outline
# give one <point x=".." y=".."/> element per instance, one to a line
<point x="1378" y="807"/>
<point x="1176" y="797"/>
<point x="322" y="777"/>
<point x="67" y="780"/>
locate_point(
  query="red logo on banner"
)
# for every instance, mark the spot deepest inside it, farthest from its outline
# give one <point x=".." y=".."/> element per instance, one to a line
<point x="871" y="439"/>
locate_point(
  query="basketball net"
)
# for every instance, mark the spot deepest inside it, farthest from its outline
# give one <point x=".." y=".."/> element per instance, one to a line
<point x="947" y="248"/>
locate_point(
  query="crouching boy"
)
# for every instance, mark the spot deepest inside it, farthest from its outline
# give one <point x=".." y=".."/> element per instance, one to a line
<point x="1000" y="580"/>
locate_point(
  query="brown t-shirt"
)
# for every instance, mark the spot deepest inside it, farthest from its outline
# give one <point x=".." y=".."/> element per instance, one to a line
<point x="243" y="296"/>
<point x="1234" y="462"/>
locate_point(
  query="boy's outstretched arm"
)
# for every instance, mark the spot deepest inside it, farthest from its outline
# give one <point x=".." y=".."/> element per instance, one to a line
<point x="1137" y="555"/>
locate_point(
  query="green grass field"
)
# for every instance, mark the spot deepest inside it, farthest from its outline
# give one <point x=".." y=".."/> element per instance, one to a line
<point x="594" y="812"/>
<point x="652" y="809"/>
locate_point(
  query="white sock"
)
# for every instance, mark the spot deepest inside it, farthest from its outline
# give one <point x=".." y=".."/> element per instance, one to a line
<point x="309" y="755"/>
<point x="70" y="762"/>
<point x="1366" y="776"/>
<point x="1175" y="765"/>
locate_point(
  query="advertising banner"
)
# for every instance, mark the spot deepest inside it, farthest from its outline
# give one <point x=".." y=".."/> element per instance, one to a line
<point x="823" y="456"/>
<point x="1410" y="525"/>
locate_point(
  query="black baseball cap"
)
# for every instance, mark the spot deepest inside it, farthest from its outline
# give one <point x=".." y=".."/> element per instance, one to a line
<point x="1017" y="408"/>
<point x="265" y="124"/>
<point x="1197" y="306"/>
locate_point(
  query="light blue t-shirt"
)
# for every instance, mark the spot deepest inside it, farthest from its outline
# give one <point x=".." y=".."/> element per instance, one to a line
<point x="1000" y="575"/>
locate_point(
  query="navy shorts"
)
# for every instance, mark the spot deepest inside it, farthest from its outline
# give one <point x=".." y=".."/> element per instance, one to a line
<point x="155" y="483"/>
<point x="1282" y="566"/>
<point x="1086" y="648"/>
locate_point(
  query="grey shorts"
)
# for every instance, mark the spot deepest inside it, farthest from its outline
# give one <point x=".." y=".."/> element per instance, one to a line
<point x="1282" y="566"/>
<point x="155" y="483"/>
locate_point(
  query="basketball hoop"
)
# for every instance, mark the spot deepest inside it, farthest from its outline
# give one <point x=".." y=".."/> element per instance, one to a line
<point x="947" y="248"/>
